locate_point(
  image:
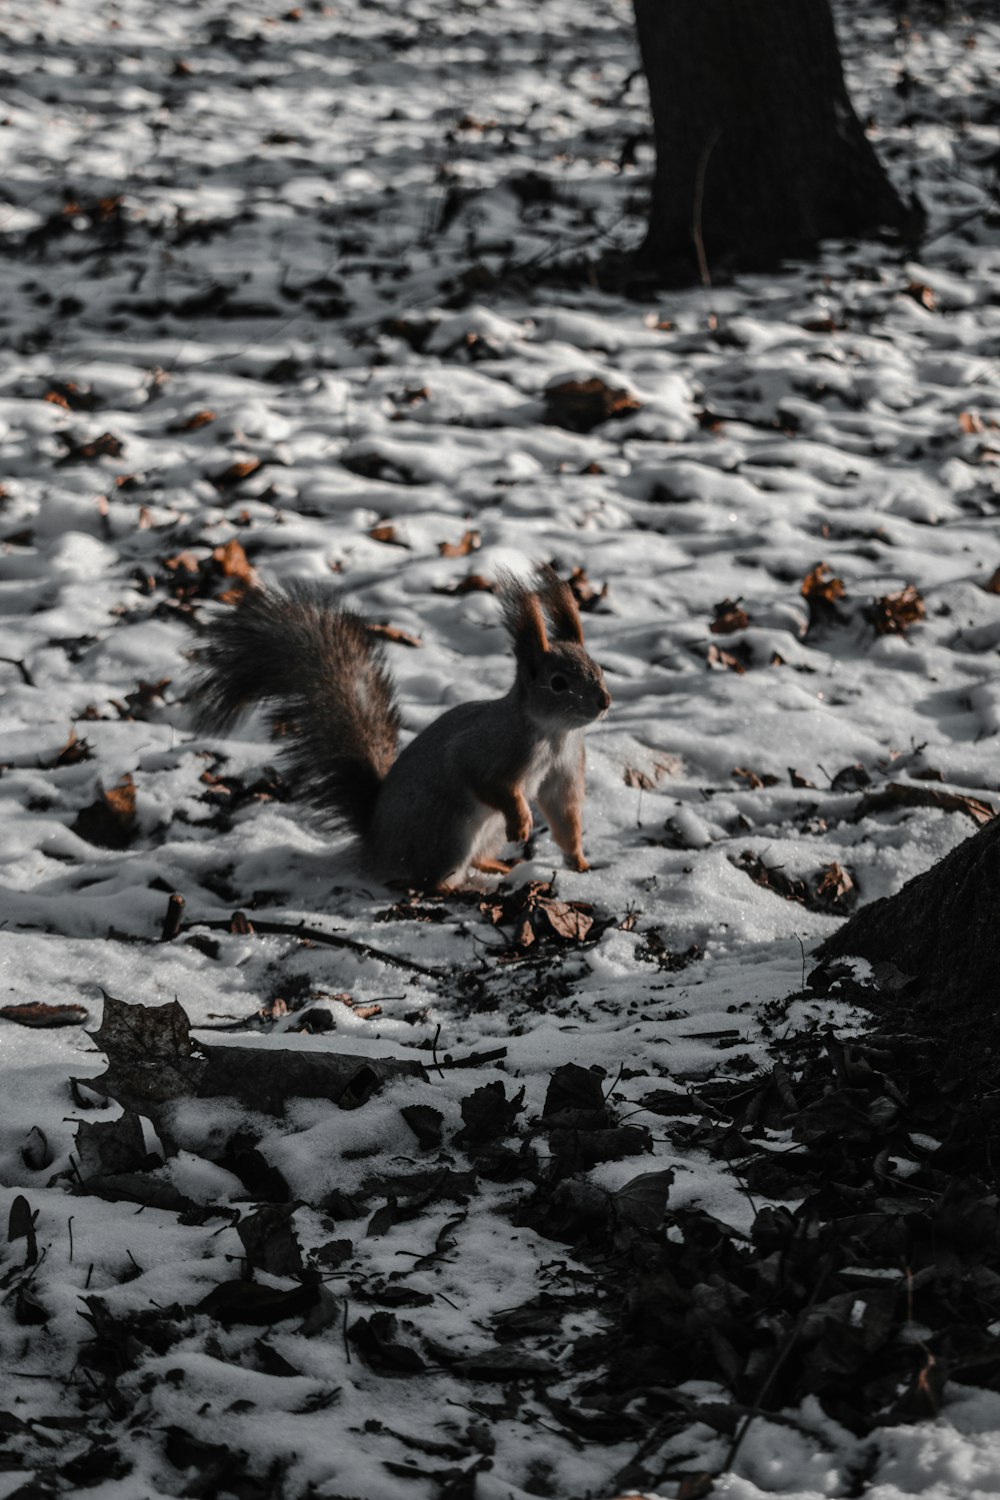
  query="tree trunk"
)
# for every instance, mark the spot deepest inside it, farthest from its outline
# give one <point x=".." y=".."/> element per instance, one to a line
<point x="942" y="930"/>
<point x="759" y="154"/>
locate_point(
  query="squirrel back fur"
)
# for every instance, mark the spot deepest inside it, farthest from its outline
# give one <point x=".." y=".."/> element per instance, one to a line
<point x="463" y="786"/>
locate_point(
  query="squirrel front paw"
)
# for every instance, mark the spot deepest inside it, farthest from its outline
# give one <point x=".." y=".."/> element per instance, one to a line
<point x="576" y="862"/>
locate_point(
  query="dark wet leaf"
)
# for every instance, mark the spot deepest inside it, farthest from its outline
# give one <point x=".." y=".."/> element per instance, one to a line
<point x="110" y="821"/>
<point x="425" y="1122"/>
<point x="109" y="1146"/>
<point x="581" y="405"/>
<point x="249" y="1302"/>
<point x="573" y="1087"/>
<point x="36" y="1153"/>
<point x="489" y="1114"/>
<point x="269" y="1240"/>
<point x="380" y="1341"/>
<point x="21" y="1226"/>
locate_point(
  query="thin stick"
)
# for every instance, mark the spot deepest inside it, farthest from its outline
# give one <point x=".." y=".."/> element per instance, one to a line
<point x="315" y="935"/>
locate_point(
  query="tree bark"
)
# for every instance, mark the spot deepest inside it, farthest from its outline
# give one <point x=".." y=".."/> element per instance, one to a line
<point x="759" y="154"/>
<point x="942" y="930"/>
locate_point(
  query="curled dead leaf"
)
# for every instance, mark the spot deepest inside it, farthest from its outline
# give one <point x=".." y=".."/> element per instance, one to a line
<point x="581" y="405"/>
<point x="236" y="473"/>
<point x="903" y="794"/>
<point x="110" y="821"/>
<point x="470" y="541"/>
<point x="472" y="583"/>
<point x="893" y="614"/>
<point x="194" y="422"/>
<point x="729" y="617"/>
<point x="821" y="591"/>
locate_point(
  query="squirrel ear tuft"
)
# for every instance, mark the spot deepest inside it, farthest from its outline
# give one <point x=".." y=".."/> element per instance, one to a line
<point x="559" y="605"/>
<point x="522" y="616"/>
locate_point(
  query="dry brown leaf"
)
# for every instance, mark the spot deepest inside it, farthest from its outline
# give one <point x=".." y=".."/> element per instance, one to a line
<point x="470" y="542"/>
<point x="821" y="590"/>
<point x="729" y="617"/>
<point x="191" y="424"/>
<point x="384" y="531"/>
<point x="584" y="592"/>
<point x="105" y="446"/>
<point x="233" y="562"/>
<point x="74" y="751"/>
<point x="633" y="777"/>
<point x="568" y="919"/>
<point x="109" y="822"/>
<point x="181" y="562"/>
<point x="971" y="422"/>
<point x="472" y="583"/>
<point x="580" y="405"/>
<point x="729" y="661"/>
<point x="752" y="780"/>
<point x="235" y="474"/>
<point x="903" y="794"/>
<point x="836" y="888"/>
<point x="922" y="294"/>
<point x="893" y="614"/>
<point x="992" y="584"/>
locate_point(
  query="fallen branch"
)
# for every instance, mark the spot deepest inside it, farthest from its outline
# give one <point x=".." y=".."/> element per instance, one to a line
<point x="316" y="935"/>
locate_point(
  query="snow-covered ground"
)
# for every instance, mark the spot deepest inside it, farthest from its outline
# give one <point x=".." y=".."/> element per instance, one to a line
<point x="281" y="279"/>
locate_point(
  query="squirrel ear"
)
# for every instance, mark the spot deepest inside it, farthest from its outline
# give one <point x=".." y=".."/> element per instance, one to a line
<point x="522" y="615"/>
<point x="559" y="605"/>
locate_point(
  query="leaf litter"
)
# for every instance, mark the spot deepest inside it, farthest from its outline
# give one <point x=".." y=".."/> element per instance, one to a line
<point x="592" y="1235"/>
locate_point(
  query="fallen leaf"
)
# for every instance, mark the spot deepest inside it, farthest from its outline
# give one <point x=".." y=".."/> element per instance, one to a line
<point x="471" y="541"/>
<point x="581" y="405"/>
<point x="105" y="446"/>
<point x="729" y="617"/>
<point x="472" y="583"/>
<point x="821" y="590"/>
<point x="647" y="781"/>
<point x="37" y="1013"/>
<point x="922" y="294"/>
<point x="903" y="794"/>
<point x="385" y="531"/>
<point x="752" y="780"/>
<point x="110" y="821"/>
<point x="851" y="779"/>
<point x="587" y="597"/>
<point x="192" y="423"/>
<point x="730" y="661"/>
<point x="893" y="614"/>
<point x="235" y="473"/>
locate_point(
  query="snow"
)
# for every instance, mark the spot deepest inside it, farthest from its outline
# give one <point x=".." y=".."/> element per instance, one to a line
<point x="300" y="198"/>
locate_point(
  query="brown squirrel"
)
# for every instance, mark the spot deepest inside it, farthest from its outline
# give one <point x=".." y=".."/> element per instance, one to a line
<point x="463" y="785"/>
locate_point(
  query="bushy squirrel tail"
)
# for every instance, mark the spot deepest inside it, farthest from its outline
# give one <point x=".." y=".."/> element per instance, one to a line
<point x="315" y="664"/>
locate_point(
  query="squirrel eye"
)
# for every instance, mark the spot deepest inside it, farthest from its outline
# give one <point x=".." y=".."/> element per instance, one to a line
<point x="558" y="683"/>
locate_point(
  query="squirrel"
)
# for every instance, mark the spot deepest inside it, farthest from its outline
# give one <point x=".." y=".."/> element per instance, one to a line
<point x="452" y="796"/>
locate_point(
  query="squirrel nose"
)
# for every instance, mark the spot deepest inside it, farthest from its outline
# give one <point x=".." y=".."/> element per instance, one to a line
<point x="603" y="698"/>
